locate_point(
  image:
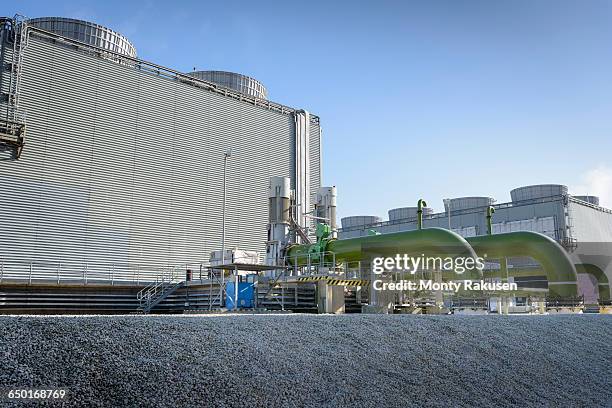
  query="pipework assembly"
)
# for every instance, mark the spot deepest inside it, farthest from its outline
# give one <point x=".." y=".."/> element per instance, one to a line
<point x="439" y="242"/>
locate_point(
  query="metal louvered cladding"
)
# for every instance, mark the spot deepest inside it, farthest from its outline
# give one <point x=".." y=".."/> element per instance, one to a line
<point x="315" y="160"/>
<point x="315" y="155"/>
<point x="124" y="167"/>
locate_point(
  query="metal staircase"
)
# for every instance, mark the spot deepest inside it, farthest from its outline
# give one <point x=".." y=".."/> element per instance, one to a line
<point x="151" y="295"/>
<point x="568" y="241"/>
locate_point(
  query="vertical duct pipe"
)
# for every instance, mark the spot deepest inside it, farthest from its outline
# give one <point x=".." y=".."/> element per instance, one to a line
<point x="279" y="201"/>
<point x="325" y="208"/>
<point x="302" y="166"/>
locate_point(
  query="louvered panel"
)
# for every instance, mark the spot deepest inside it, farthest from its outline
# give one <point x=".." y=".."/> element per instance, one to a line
<point x="113" y="156"/>
<point x="315" y="162"/>
<point x="315" y="156"/>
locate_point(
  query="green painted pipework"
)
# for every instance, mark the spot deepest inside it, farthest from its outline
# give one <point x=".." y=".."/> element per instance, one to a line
<point x="555" y="262"/>
<point x="603" y="285"/>
<point x="428" y="241"/>
<point x="420" y="204"/>
<point x="595" y="271"/>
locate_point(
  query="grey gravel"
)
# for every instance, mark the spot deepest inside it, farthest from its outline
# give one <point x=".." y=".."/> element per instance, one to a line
<point x="312" y="361"/>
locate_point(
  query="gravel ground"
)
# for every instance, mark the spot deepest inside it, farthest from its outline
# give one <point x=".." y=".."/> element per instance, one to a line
<point x="313" y="361"/>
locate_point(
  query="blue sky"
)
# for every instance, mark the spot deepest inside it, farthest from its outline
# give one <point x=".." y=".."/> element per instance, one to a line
<point x="418" y="99"/>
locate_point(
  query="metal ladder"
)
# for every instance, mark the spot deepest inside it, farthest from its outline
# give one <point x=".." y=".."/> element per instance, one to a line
<point x="12" y="122"/>
<point x="152" y="294"/>
<point x="567" y="239"/>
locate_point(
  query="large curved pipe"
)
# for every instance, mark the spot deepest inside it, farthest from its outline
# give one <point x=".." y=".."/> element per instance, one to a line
<point x="603" y="285"/>
<point x="590" y="269"/>
<point x="555" y="262"/>
<point x="429" y="242"/>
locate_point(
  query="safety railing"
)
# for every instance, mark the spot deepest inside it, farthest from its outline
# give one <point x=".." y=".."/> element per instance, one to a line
<point x="326" y="264"/>
<point x="164" y="284"/>
<point x="252" y="258"/>
<point x="67" y="272"/>
<point x="311" y="263"/>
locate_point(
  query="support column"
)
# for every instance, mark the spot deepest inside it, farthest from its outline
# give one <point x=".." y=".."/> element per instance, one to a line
<point x="330" y="298"/>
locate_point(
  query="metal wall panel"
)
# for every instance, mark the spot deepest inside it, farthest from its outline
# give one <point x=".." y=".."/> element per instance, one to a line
<point x="315" y="154"/>
<point x="126" y="167"/>
<point x="315" y="157"/>
<point x="592" y="229"/>
<point x="590" y="223"/>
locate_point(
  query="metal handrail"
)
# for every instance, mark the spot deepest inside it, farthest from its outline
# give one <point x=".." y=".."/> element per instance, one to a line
<point x="150" y="295"/>
<point x="312" y="260"/>
<point x="61" y="271"/>
<point x="152" y="288"/>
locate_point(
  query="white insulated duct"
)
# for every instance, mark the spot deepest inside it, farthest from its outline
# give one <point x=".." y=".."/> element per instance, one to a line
<point x="302" y="167"/>
<point x="326" y="207"/>
<point x="279" y="202"/>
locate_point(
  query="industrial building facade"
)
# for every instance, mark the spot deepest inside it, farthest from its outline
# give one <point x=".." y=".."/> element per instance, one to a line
<point x="123" y="161"/>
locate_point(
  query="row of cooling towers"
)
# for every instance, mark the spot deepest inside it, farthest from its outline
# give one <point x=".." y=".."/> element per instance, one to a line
<point x="466" y="203"/>
<point x="105" y="38"/>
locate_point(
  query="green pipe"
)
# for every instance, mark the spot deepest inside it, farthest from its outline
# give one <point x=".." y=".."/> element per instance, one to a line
<point x="431" y="242"/>
<point x="490" y="211"/>
<point x="420" y="204"/>
<point x="603" y="285"/>
<point x="600" y="276"/>
<point x="555" y="262"/>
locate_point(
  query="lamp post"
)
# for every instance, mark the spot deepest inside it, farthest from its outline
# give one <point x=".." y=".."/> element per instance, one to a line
<point x="226" y="155"/>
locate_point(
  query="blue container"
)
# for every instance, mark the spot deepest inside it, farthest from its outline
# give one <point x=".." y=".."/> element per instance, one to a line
<point x="246" y="295"/>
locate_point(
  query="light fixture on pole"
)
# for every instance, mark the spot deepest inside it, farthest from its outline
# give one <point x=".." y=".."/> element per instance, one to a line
<point x="226" y="155"/>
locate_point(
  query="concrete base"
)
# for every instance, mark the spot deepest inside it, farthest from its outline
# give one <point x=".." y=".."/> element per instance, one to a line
<point x="330" y="298"/>
<point x="605" y="309"/>
<point x="410" y="310"/>
<point x="376" y="309"/>
<point x="436" y="310"/>
<point x="519" y="309"/>
<point x="564" y="310"/>
<point x="381" y="302"/>
<point x="470" y="311"/>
